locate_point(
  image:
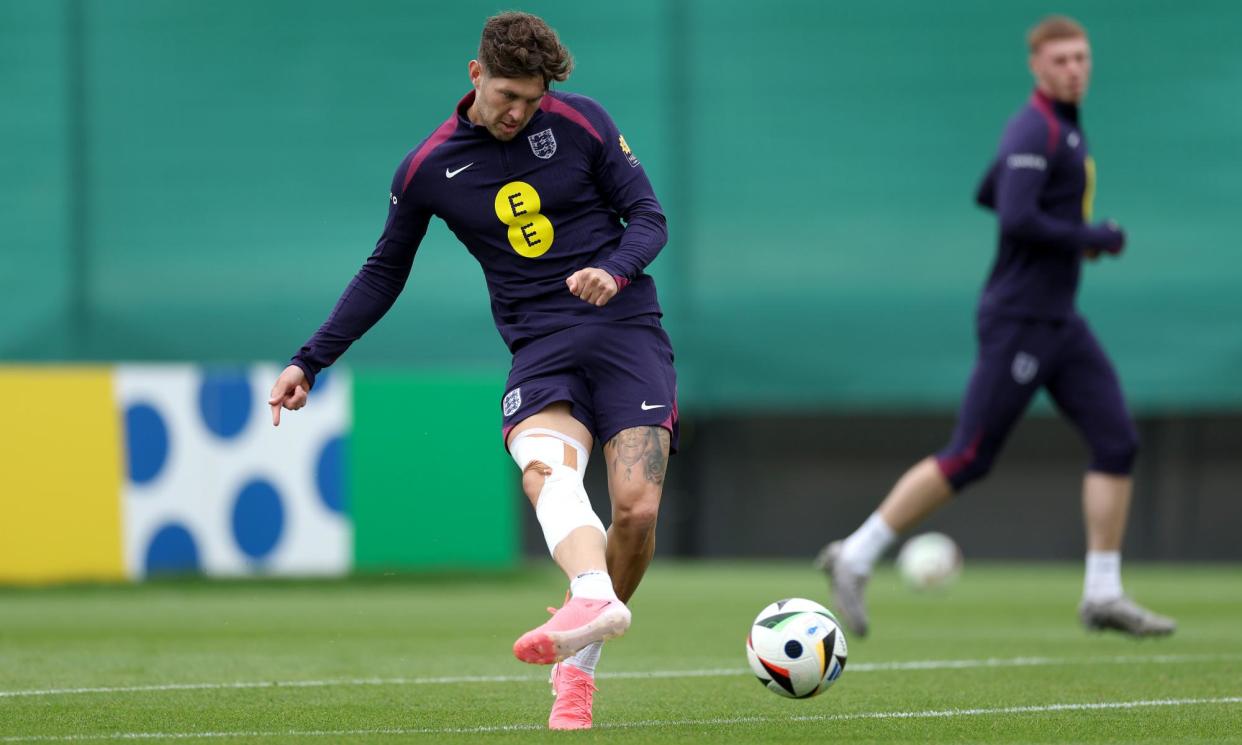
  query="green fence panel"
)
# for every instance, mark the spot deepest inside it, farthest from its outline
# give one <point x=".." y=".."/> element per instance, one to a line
<point x="36" y="215"/>
<point x="199" y="181"/>
<point x="838" y="255"/>
<point x="430" y="484"/>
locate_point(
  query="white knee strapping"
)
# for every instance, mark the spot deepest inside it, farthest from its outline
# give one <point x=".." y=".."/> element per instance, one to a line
<point x="563" y="505"/>
<point x="546" y="446"/>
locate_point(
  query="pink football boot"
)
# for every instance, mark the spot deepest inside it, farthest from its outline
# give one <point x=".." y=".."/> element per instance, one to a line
<point x="573" y="690"/>
<point x="579" y="622"/>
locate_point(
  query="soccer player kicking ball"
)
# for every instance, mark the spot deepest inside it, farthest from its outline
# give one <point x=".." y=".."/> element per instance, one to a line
<point x="545" y="193"/>
<point x="1041" y="186"/>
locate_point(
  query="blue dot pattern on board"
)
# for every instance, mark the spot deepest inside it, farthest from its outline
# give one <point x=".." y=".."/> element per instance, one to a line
<point x="146" y="437"/>
<point x="172" y="551"/>
<point x="258" y="518"/>
<point x="224" y="400"/>
<point x="793" y="650"/>
<point x="330" y="474"/>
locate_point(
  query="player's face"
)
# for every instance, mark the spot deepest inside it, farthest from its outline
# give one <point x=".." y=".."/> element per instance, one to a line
<point x="504" y="105"/>
<point x="1062" y="68"/>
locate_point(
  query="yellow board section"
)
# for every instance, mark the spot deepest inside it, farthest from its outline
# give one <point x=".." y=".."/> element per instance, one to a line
<point x="60" y="475"/>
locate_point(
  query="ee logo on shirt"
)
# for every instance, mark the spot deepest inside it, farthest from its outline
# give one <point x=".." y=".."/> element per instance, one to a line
<point x="518" y="205"/>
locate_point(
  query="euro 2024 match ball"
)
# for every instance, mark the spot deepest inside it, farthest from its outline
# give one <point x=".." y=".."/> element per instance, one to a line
<point x="796" y="648"/>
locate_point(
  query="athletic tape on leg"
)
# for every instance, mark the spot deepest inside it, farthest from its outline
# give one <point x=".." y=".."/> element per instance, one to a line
<point x="563" y="505"/>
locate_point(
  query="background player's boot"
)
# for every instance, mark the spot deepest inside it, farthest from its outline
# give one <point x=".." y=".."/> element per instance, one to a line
<point x="579" y="622"/>
<point x="847" y="588"/>
<point x="574" y="690"/>
<point x="1125" y="615"/>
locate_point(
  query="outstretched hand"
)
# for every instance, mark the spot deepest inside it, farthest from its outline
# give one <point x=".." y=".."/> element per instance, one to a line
<point x="591" y="285"/>
<point x="290" y="392"/>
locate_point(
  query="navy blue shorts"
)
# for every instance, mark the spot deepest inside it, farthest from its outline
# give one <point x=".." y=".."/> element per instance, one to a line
<point x="1018" y="357"/>
<point x="614" y="375"/>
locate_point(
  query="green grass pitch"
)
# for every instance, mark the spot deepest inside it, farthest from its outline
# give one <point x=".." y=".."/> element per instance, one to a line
<point x="998" y="657"/>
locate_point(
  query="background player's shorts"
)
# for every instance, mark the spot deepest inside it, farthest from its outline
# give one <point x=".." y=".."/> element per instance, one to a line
<point x="1018" y="357"/>
<point x="614" y="375"/>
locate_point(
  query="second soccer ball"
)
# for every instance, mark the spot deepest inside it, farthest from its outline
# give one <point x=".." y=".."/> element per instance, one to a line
<point x="929" y="560"/>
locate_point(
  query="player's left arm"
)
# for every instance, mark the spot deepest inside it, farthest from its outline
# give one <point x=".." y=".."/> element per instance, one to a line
<point x="624" y="186"/>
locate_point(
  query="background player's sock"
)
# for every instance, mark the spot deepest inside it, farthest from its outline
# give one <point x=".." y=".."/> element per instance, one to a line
<point x="587" y="658"/>
<point x="594" y="584"/>
<point x="864" y="546"/>
<point x="1103" y="577"/>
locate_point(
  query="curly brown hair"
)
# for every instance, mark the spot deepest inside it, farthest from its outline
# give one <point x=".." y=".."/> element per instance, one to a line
<point x="521" y="45"/>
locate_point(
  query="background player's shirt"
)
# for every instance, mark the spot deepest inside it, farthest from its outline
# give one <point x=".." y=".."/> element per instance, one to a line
<point x="566" y="193"/>
<point x="1041" y="185"/>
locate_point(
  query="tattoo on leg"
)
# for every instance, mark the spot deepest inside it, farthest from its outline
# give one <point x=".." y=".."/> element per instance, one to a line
<point x="657" y="461"/>
<point x="645" y="445"/>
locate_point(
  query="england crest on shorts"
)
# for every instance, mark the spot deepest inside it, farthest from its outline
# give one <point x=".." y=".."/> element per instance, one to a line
<point x="512" y="402"/>
<point x="543" y="144"/>
<point x="1024" y="367"/>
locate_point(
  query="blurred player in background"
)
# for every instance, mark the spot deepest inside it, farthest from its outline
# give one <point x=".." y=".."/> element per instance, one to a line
<point x="546" y="194"/>
<point x="1041" y="186"/>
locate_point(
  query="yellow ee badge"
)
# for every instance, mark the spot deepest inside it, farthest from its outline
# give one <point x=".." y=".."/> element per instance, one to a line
<point x="517" y="205"/>
<point x="629" y="154"/>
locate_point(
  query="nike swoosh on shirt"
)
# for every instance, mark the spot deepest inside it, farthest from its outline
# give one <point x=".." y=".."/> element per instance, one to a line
<point x="451" y="174"/>
<point x="645" y="407"/>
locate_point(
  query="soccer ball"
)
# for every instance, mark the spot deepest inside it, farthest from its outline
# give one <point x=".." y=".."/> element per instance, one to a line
<point x="929" y="560"/>
<point x="796" y="648"/>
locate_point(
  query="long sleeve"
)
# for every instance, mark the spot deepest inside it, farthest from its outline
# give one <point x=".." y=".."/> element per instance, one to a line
<point x="624" y="185"/>
<point x="1019" y="176"/>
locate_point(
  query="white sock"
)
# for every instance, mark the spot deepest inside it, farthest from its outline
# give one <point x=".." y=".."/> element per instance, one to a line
<point x="1103" y="577"/>
<point x="594" y="584"/>
<point x="587" y="658"/>
<point x="865" y="545"/>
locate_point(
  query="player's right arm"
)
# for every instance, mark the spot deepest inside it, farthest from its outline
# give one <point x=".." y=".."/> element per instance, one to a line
<point x="366" y="299"/>
<point x="625" y="189"/>
<point x="1013" y="188"/>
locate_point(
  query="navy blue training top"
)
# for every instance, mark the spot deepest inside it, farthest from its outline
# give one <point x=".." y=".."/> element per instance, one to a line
<point x="1041" y="185"/>
<point x="566" y="193"/>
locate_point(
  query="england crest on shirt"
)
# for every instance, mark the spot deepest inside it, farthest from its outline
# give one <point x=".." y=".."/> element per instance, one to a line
<point x="512" y="402"/>
<point x="543" y="144"/>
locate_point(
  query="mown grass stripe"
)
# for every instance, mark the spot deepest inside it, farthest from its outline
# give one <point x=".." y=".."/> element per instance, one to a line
<point x="651" y="723"/>
<point x="863" y="667"/>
